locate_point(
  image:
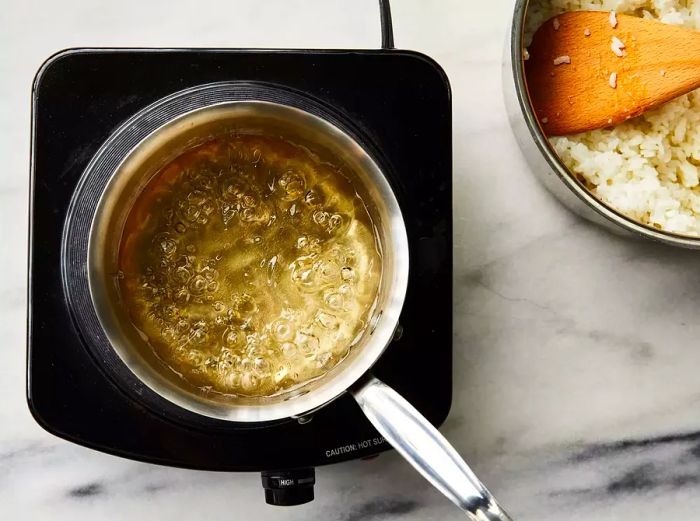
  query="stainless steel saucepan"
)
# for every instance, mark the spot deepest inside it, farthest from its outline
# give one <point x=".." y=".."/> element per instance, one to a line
<point x="162" y="131"/>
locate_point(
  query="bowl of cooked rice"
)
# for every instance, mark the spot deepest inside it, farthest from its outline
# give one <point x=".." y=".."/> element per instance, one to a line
<point x="643" y="175"/>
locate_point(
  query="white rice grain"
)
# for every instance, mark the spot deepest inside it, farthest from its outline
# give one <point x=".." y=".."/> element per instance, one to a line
<point x="617" y="46"/>
<point x="613" y="19"/>
<point x="556" y="24"/>
<point x="613" y="80"/>
<point x="586" y="32"/>
<point x="560" y="60"/>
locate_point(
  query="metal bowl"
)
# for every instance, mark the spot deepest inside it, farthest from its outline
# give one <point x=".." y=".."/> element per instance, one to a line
<point x="545" y="162"/>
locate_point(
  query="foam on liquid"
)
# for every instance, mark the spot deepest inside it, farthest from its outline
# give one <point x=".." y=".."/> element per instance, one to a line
<point x="250" y="265"/>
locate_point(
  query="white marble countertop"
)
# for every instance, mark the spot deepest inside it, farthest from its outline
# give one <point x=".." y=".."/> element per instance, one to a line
<point x="576" y="352"/>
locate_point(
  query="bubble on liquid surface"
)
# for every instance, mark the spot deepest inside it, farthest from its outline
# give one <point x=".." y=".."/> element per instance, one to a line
<point x="244" y="305"/>
<point x="289" y="349"/>
<point x="328" y="270"/>
<point x="312" y="198"/>
<point x="197" y="285"/>
<point x="303" y="272"/>
<point x="320" y="217"/>
<point x="308" y="344"/>
<point x="283" y="330"/>
<point x="334" y="221"/>
<point x="165" y="244"/>
<point x="261" y="366"/>
<point x="233" y="338"/>
<point x="254" y="268"/>
<point x="292" y="185"/>
<point x="334" y="300"/>
<point x="281" y="373"/>
<point x="327" y="320"/>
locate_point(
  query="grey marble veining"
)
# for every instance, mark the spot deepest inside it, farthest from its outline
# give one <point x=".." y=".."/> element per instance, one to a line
<point x="576" y="351"/>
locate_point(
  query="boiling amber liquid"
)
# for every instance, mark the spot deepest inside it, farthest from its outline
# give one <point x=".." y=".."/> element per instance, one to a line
<point x="250" y="265"/>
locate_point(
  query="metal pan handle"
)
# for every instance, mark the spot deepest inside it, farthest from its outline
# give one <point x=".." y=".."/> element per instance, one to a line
<point x="426" y="449"/>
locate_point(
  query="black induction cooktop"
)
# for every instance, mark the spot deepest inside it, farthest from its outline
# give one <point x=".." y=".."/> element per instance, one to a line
<point x="401" y="102"/>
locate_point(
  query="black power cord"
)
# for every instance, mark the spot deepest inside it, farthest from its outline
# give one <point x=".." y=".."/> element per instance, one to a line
<point x="387" y="27"/>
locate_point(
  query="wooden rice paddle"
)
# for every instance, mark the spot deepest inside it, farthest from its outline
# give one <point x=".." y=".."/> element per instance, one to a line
<point x="599" y="88"/>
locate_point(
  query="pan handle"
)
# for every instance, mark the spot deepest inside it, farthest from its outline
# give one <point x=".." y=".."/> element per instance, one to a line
<point x="426" y="449"/>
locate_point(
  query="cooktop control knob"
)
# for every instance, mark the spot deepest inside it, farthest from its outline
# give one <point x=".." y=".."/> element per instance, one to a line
<point x="289" y="487"/>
